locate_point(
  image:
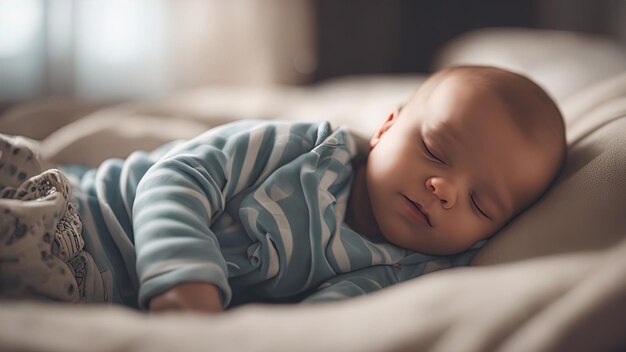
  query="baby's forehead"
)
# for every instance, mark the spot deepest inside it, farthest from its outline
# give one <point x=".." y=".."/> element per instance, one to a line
<point x="469" y="105"/>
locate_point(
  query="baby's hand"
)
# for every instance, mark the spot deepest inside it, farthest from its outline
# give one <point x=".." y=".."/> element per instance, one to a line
<point x="190" y="297"/>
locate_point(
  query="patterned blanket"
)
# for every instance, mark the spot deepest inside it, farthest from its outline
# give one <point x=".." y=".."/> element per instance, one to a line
<point x="41" y="248"/>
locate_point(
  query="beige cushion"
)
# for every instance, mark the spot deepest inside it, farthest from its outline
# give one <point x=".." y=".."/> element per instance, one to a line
<point x="562" y="62"/>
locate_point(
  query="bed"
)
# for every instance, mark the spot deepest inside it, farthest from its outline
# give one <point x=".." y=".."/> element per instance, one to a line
<point x="554" y="279"/>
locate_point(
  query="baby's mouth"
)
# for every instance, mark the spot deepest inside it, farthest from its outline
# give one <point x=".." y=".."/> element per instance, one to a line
<point x="420" y="209"/>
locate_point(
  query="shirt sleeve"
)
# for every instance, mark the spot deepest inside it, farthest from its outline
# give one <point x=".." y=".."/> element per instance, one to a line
<point x="354" y="284"/>
<point x="181" y="195"/>
<point x="377" y="277"/>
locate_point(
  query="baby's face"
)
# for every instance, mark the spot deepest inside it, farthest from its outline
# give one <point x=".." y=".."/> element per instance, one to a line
<point x="448" y="171"/>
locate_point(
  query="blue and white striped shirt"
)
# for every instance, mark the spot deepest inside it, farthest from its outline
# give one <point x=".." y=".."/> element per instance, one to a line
<point x="253" y="207"/>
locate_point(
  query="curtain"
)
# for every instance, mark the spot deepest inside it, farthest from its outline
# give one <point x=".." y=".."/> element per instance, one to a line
<point x="119" y="49"/>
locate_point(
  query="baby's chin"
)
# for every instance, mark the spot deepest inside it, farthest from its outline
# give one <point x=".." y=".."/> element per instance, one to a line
<point x="422" y="240"/>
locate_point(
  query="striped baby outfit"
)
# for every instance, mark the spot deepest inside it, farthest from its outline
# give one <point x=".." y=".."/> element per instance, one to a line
<point x="253" y="207"/>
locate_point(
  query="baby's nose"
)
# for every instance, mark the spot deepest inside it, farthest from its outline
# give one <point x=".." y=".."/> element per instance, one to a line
<point x="444" y="190"/>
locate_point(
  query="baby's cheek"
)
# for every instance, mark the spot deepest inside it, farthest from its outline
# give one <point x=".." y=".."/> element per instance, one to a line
<point x="475" y="229"/>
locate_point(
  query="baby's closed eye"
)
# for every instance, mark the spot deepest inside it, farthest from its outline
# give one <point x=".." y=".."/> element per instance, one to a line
<point x="477" y="207"/>
<point x="430" y="154"/>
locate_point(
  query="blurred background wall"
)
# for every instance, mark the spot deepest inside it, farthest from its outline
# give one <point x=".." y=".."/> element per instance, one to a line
<point x="117" y="50"/>
<point x="403" y="35"/>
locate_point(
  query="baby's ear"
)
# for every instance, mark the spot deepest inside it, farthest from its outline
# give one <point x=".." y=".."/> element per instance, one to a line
<point x="383" y="128"/>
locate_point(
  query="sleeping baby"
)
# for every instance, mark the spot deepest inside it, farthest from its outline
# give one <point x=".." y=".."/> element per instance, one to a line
<point x="269" y="211"/>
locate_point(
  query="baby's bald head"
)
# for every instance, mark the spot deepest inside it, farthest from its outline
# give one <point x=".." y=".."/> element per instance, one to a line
<point x="530" y="108"/>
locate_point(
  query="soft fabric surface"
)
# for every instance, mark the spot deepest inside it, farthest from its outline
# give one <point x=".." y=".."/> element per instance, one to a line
<point x="562" y="62"/>
<point x="568" y="303"/>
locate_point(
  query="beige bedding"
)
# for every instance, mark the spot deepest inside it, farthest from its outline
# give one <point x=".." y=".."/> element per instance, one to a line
<point x="566" y="303"/>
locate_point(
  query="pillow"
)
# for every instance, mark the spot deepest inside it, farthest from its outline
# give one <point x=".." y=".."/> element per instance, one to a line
<point x="561" y="62"/>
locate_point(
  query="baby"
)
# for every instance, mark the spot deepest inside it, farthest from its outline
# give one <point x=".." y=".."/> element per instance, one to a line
<point x="276" y="211"/>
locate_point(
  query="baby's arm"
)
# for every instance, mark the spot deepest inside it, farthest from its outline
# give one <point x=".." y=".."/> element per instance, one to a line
<point x="178" y="199"/>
